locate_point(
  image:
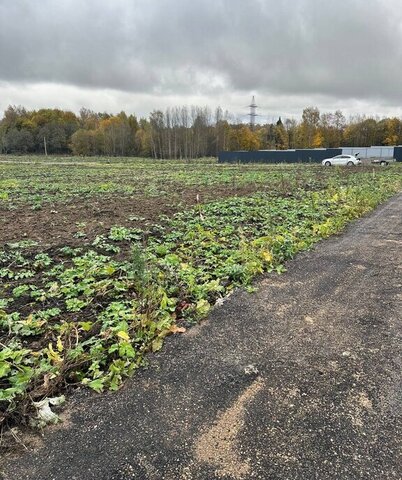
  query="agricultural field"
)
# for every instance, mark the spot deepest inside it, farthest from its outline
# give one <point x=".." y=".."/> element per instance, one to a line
<point x="101" y="259"/>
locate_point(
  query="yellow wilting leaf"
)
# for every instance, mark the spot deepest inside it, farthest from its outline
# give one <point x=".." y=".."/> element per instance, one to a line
<point x="266" y="255"/>
<point x="110" y="269"/>
<point x="86" y="326"/>
<point x="157" y="344"/>
<point x="123" y="335"/>
<point x="59" y="344"/>
<point x="53" y="355"/>
<point x="176" y="329"/>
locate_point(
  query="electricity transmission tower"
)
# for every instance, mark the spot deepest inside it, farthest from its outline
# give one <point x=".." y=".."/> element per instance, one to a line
<point x="253" y="112"/>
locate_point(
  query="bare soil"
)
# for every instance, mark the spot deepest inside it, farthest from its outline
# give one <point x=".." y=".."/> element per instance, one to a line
<point x="57" y="224"/>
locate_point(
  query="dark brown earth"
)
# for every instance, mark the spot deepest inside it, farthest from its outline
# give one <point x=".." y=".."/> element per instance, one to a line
<point x="58" y="223"/>
<point x="300" y="380"/>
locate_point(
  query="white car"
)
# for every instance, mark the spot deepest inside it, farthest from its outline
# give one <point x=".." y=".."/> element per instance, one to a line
<point x="349" y="160"/>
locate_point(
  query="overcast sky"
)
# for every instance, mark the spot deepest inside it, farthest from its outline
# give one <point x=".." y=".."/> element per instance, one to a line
<point x="139" y="55"/>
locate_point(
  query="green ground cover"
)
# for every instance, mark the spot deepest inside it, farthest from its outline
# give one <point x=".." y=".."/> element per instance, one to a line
<point x="86" y="315"/>
<point x="36" y="181"/>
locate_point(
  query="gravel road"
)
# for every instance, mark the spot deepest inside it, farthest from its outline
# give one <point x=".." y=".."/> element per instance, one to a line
<point x="300" y="380"/>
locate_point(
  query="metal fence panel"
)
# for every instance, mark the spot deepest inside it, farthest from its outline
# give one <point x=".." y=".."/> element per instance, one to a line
<point x="398" y="153"/>
<point x="279" y="156"/>
<point x="369" y="152"/>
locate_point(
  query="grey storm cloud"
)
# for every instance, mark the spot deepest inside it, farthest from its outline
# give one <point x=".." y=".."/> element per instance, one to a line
<point x="340" y="49"/>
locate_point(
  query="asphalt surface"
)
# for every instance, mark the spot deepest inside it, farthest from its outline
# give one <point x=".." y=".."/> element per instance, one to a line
<point x="300" y="380"/>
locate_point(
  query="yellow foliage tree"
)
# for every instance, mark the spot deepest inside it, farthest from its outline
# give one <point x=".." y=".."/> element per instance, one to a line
<point x="318" y="140"/>
<point x="244" y="139"/>
<point x="393" y="129"/>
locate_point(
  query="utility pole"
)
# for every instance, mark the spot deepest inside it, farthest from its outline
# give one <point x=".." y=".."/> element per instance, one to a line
<point x="44" y="143"/>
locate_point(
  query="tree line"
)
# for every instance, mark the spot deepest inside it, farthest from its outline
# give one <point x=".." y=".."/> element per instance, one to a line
<point x="183" y="132"/>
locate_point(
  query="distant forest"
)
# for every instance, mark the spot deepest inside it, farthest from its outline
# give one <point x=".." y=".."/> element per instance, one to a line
<point x="182" y="132"/>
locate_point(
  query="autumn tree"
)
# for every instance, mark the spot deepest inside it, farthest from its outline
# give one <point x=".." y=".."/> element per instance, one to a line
<point x="87" y="142"/>
<point x="308" y="127"/>
<point x="331" y="127"/>
<point x="318" y="140"/>
<point x="88" y="119"/>
<point x="243" y="138"/>
<point x="281" y="136"/>
<point x="391" y="131"/>
<point x="363" y="132"/>
<point x="291" y="131"/>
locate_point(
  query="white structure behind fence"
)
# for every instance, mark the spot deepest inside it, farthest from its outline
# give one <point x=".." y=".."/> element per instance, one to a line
<point x="369" y="152"/>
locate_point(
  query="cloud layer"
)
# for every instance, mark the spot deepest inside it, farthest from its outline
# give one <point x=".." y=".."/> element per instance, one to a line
<point x="139" y="54"/>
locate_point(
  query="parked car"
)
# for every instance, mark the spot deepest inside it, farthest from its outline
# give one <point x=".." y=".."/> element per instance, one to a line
<point x="349" y="160"/>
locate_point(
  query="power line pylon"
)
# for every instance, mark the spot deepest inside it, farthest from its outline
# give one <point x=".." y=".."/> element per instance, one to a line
<point x="253" y="112"/>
